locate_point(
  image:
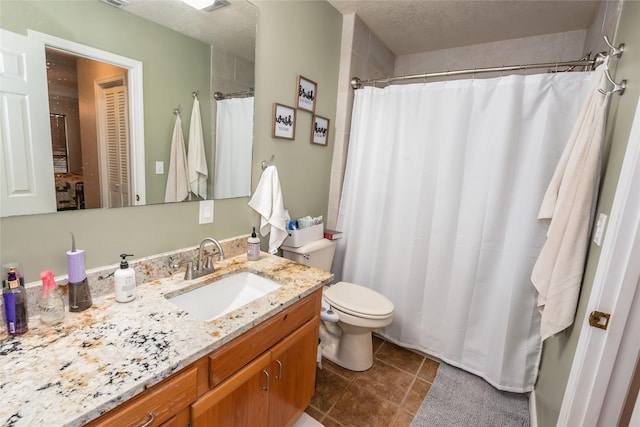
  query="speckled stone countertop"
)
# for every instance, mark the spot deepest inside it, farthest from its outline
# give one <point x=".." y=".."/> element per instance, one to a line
<point x="73" y="372"/>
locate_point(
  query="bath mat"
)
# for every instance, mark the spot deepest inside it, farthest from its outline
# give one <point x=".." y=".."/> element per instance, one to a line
<point x="460" y="399"/>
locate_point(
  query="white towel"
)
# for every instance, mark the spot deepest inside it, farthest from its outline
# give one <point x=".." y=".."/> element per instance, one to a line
<point x="197" y="158"/>
<point x="267" y="201"/>
<point x="177" y="188"/>
<point x="568" y="205"/>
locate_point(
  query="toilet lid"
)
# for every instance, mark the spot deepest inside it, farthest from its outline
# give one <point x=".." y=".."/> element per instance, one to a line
<point x="358" y="300"/>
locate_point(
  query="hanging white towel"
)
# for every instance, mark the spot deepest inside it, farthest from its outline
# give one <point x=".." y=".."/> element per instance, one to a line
<point x="177" y="188"/>
<point x="567" y="206"/>
<point x="267" y="201"/>
<point x="197" y="158"/>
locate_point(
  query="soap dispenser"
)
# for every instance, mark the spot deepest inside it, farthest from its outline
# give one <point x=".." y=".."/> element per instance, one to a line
<point x="51" y="303"/>
<point x="253" y="246"/>
<point x="125" y="281"/>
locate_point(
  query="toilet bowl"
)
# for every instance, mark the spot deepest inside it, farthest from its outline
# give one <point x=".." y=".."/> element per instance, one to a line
<point x="350" y="311"/>
<point x="360" y="311"/>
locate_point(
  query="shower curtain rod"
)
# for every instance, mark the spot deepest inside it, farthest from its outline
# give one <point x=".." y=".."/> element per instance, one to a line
<point x="219" y="96"/>
<point x="356" y="83"/>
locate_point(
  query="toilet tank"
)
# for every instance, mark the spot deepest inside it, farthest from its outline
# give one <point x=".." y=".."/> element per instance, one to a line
<point x="318" y="254"/>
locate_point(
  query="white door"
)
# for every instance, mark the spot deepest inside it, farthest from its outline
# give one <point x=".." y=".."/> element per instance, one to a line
<point x="605" y="359"/>
<point x="26" y="158"/>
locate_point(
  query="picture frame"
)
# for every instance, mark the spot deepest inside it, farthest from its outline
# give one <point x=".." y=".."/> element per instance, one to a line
<point x="320" y="130"/>
<point x="284" y="121"/>
<point x="307" y="93"/>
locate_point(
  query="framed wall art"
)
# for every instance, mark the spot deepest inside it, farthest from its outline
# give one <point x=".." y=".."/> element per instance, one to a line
<point x="320" y="130"/>
<point x="284" y="121"/>
<point x="307" y="91"/>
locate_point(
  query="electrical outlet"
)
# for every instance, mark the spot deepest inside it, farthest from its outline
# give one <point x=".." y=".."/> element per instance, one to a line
<point x="206" y="212"/>
<point x="159" y="168"/>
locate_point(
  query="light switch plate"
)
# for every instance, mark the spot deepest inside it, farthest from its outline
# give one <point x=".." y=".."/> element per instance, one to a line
<point x="206" y="212"/>
<point x="159" y="168"/>
<point x="600" y="227"/>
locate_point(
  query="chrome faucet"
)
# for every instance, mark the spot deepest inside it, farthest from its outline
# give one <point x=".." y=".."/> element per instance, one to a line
<point x="204" y="267"/>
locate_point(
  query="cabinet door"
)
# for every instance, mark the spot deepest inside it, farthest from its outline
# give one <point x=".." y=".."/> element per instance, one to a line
<point x="293" y="372"/>
<point x="240" y="401"/>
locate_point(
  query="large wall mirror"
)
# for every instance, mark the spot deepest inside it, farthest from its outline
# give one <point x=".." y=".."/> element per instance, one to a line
<point x="116" y="76"/>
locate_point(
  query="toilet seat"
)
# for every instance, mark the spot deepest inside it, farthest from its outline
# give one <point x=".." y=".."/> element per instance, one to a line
<point x="359" y="301"/>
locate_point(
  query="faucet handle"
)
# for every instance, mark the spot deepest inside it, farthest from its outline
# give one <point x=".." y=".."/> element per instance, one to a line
<point x="188" y="273"/>
<point x="209" y="262"/>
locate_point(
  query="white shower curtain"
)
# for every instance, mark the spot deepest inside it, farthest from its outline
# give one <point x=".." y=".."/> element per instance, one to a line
<point x="234" y="143"/>
<point x="441" y="193"/>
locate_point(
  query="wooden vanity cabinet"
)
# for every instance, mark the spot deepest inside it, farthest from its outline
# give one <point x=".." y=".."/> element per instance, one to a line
<point x="264" y="377"/>
<point x="278" y="382"/>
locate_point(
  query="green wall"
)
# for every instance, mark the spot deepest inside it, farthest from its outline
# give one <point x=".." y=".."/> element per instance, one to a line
<point x="559" y="351"/>
<point x="293" y="38"/>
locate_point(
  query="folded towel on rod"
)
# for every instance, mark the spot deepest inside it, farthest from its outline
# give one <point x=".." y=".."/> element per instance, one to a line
<point x="267" y="201"/>
<point x="177" y="188"/>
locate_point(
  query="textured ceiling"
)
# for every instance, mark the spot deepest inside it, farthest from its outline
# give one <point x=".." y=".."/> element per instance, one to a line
<point x="405" y="26"/>
<point x="231" y="27"/>
<point x="413" y="26"/>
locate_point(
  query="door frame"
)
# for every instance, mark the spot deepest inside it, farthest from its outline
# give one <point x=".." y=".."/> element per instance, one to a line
<point x="593" y="386"/>
<point x="135" y="102"/>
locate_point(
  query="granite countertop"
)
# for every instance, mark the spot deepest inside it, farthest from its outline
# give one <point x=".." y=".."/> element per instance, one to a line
<point x="73" y="372"/>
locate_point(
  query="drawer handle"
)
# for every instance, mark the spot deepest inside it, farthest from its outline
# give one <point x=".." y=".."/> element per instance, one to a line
<point x="279" y="376"/>
<point x="266" y="386"/>
<point x="150" y="419"/>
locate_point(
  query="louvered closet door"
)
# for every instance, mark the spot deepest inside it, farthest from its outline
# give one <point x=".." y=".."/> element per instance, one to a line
<point x="117" y="145"/>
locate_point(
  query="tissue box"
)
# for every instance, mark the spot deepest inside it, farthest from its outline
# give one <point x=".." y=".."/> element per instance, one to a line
<point x="297" y="238"/>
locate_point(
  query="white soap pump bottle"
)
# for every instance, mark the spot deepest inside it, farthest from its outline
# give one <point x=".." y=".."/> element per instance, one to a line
<point x="253" y="247"/>
<point x="125" y="281"/>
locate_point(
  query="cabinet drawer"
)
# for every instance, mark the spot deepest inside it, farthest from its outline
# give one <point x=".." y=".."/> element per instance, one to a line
<point x="161" y="402"/>
<point x="245" y="348"/>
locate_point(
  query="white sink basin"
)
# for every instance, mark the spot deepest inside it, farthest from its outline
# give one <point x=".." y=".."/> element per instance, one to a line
<point x="223" y="296"/>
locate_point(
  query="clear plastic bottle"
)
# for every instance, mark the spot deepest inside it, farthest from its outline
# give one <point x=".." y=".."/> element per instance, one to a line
<point x="51" y="303"/>
<point x="15" y="305"/>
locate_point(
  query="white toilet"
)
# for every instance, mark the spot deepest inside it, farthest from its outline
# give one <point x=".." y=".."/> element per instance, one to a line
<point x="359" y="310"/>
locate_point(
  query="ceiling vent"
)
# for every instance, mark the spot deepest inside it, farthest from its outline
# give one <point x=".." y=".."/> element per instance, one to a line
<point x="117" y="3"/>
<point x="216" y="5"/>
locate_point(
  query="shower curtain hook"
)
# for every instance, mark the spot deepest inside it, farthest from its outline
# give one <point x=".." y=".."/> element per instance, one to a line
<point x="617" y="87"/>
<point x="615" y="51"/>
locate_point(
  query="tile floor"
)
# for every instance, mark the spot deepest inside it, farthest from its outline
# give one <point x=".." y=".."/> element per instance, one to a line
<point x="387" y="395"/>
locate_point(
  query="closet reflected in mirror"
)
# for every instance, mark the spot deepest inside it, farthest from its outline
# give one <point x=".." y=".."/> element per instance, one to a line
<point x="90" y="155"/>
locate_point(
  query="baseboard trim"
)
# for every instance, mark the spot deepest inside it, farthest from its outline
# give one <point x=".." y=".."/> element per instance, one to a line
<point x="533" y="414"/>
